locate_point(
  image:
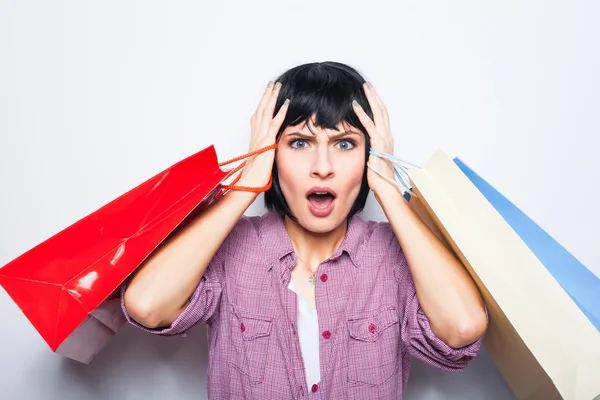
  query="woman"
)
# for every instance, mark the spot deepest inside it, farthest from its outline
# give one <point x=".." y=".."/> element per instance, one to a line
<point x="309" y="300"/>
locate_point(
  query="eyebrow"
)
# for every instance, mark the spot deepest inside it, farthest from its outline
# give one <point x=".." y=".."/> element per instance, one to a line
<point x="332" y="137"/>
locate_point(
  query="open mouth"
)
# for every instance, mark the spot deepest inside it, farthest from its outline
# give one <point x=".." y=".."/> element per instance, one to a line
<point x="321" y="201"/>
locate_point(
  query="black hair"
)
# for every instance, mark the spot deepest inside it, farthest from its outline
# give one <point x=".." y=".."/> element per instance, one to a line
<point x="325" y="90"/>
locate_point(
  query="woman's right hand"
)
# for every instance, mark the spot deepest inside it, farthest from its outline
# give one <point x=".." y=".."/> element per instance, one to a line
<point x="265" y="126"/>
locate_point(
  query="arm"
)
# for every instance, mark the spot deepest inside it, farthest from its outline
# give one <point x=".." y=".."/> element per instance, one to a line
<point x="160" y="289"/>
<point x="446" y="293"/>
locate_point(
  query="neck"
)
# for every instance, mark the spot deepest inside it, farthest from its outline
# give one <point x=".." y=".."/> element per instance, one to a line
<point x="311" y="247"/>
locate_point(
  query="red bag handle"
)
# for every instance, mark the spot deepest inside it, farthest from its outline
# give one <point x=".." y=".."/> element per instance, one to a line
<point x="232" y="186"/>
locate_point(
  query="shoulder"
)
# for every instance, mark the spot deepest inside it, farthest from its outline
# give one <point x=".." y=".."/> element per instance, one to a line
<point x="246" y="227"/>
<point x="368" y="241"/>
<point x="378" y="236"/>
<point x="243" y="235"/>
<point x="381" y="247"/>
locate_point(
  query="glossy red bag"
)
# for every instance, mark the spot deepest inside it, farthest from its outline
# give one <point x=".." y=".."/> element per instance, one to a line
<point x="67" y="286"/>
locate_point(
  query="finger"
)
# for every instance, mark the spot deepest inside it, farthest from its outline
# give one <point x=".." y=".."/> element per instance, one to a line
<point x="375" y="107"/>
<point x="278" y="120"/>
<point x="270" y="104"/>
<point x="382" y="106"/>
<point x="265" y="98"/>
<point x="364" y="119"/>
<point x="267" y="114"/>
<point x="257" y="116"/>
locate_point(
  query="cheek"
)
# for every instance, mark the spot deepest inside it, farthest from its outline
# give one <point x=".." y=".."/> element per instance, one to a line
<point x="288" y="171"/>
<point x="354" y="170"/>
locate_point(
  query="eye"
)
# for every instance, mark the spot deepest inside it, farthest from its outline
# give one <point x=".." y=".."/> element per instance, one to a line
<point x="298" y="143"/>
<point x="345" y="144"/>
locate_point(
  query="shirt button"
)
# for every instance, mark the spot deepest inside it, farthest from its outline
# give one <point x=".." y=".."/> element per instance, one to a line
<point x="326" y="334"/>
<point x="372" y="328"/>
<point x="314" y="388"/>
<point x="243" y="327"/>
<point x="323" y="277"/>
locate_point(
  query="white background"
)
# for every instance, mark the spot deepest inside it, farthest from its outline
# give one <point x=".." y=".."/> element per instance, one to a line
<point x="96" y="97"/>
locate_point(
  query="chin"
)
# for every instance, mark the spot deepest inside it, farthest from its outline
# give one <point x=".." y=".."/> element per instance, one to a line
<point x="320" y="224"/>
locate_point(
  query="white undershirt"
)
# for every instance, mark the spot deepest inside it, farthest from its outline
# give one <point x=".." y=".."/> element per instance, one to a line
<point x="308" y="333"/>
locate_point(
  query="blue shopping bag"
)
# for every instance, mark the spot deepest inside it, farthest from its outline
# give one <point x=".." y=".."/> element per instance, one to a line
<point x="575" y="278"/>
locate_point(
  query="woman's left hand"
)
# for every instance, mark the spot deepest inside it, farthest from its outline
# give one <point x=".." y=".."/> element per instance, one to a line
<point x="381" y="139"/>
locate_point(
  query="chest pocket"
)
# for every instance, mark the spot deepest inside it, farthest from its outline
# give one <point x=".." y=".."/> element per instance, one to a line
<point x="373" y="346"/>
<point x="252" y="334"/>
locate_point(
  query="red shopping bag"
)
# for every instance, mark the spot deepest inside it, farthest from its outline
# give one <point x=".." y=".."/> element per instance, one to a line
<point x="67" y="286"/>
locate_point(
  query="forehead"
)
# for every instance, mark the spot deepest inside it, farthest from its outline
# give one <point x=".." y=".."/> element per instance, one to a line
<point x="309" y="128"/>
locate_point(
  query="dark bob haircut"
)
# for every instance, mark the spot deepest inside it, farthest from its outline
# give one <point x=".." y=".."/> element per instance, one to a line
<point x="325" y="90"/>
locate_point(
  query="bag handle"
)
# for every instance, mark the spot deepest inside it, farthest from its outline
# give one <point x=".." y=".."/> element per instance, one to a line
<point x="401" y="168"/>
<point x="231" y="186"/>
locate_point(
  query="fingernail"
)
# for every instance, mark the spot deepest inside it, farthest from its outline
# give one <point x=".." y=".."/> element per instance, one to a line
<point x="354" y="103"/>
<point x="278" y="85"/>
<point x="286" y="102"/>
<point x="369" y="85"/>
<point x="270" y="83"/>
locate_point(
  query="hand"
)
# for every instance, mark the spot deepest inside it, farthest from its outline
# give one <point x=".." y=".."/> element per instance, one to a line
<point x="381" y="139"/>
<point x="265" y="126"/>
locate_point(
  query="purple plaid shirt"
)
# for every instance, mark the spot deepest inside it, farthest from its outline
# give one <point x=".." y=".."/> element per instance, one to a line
<point x="369" y="317"/>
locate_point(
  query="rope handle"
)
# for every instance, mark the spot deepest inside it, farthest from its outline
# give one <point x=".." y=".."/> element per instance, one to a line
<point x="402" y="182"/>
<point x="231" y="186"/>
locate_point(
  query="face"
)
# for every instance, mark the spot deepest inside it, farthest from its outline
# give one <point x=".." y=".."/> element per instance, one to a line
<point x="320" y="173"/>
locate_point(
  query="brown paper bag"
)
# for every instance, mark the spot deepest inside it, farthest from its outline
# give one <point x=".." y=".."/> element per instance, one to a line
<point x="541" y="342"/>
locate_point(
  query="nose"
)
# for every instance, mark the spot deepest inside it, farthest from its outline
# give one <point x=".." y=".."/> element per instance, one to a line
<point x="321" y="166"/>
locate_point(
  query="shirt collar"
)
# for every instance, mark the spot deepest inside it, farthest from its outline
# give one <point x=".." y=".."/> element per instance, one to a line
<point x="277" y="243"/>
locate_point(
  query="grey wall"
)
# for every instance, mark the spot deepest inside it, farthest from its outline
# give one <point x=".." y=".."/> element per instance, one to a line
<point x="96" y="97"/>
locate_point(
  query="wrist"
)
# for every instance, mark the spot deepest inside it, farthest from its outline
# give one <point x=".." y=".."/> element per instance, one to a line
<point x="251" y="181"/>
<point x="386" y="193"/>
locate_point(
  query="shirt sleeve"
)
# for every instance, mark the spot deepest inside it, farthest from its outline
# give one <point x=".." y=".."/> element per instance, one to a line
<point x="204" y="301"/>
<point x="416" y="332"/>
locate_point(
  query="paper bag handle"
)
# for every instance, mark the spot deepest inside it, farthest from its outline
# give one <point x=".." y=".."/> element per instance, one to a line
<point x="400" y="170"/>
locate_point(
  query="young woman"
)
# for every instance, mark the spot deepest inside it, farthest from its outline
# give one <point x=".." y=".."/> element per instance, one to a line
<point x="309" y="300"/>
